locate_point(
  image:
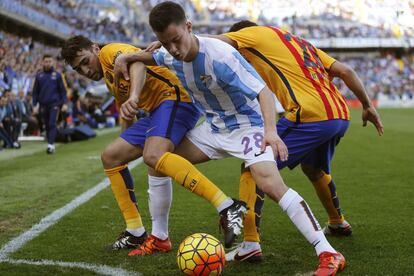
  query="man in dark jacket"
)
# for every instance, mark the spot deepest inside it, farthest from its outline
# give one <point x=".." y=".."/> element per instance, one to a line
<point x="13" y="122"/>
<point x="50" y="92"/>
<point x="4" y="113"/>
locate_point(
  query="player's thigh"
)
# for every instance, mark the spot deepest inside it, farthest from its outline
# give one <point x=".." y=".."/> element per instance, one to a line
<point x="172" y="120"/>
<point x="168" y="124"/>
<point x="190" y="151"/>
<point x="119" y="152"/>
<point x="245" y="144"/>
<point x="268" y="179"/>
<point x="318" y="161"/>
<point x="303" y="139"/>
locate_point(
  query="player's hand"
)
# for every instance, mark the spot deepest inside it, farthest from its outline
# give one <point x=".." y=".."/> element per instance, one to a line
<point x="153" y="46"/>
<point x="121" y="68"/>
<point x="370" y="114"/>
<point x="129" y="109"/>
<point x="278" y="146"/>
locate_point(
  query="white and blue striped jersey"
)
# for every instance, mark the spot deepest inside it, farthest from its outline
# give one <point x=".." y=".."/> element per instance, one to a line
<point x="221" y="82"/>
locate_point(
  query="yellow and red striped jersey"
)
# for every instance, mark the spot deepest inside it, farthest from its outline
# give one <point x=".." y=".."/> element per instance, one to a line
<point x="295" y="71"/>
<point x="160" y="84"/>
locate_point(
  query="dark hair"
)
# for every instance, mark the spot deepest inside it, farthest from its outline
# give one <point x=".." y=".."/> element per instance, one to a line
<point x="241" y="25"/>
<point x="164" y="14"/>
<point x="47" y="56"/>
<point x="73" y="45"/>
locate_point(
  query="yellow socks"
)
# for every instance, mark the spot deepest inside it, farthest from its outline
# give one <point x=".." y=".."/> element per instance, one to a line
<point x="123" y="188"/>
<point x="188" y="176"/>
<point x="326" y="190"/>
<point x="254" y="198"/>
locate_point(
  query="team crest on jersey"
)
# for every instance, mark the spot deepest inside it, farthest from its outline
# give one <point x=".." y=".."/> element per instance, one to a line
<point x="54" y="75"/>
<point x="206" y="79"/>
<point x="109" y="77"/>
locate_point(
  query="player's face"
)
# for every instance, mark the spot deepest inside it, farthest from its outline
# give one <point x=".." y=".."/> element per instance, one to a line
<point x="177" y="39"/>
<point x="47" y="63"/>
<point x="87" y="63"/>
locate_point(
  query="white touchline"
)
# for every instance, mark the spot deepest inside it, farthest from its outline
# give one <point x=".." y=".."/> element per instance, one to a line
<point x="18" y="242"/>
<point x="101" y="269"/>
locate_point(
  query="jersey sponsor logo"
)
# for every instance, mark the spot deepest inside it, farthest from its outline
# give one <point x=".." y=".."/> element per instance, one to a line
<point x="115" y="56"/>
<point x="123" y="89"/>
<point x="109" y="77"/>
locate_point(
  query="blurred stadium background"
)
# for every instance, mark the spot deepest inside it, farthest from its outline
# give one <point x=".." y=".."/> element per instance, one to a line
<point x="376" y="38"/>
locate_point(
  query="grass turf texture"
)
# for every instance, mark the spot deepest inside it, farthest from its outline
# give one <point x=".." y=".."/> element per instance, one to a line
<point x="374" y="177"/>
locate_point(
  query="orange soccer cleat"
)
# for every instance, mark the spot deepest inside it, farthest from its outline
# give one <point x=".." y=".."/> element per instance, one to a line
<point x="330" y="264"/>
<point x="152" y="245"/>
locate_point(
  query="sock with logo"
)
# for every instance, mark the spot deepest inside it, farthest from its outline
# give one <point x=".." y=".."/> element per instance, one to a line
<point x="301" y="215"/>
<point x="192" y="179"/>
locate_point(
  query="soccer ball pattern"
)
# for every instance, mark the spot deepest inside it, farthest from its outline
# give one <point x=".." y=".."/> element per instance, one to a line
<point x="201" y="254"/>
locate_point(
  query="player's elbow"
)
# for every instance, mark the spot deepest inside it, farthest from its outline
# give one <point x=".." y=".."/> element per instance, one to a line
<point x="346" y="72"/>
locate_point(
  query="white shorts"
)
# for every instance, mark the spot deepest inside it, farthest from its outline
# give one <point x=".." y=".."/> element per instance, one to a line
<point x="243" y="143"/>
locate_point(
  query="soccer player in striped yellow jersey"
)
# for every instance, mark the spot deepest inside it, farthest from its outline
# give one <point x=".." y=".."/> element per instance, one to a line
<point x="171" y="115"/>
<point x="317" y="117"/>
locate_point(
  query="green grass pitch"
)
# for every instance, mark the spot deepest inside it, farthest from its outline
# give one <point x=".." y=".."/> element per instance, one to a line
<point x="374" y="177"/>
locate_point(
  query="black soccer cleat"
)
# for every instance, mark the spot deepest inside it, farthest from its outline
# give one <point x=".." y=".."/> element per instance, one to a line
<point x="342" y="229"/>
<point x="128" y="241"/>
<point x="231" y="221"/>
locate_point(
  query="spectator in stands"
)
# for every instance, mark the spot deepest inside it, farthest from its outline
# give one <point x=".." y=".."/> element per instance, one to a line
<point x="4" y="135"/>
<point x="28" y="117"/>
<point x="13" y="120"/>
<point x="50" y="92"/>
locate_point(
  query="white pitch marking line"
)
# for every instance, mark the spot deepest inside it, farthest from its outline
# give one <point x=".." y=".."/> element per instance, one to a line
<point x="18" y="242"/>
<point x="101" y="269"/>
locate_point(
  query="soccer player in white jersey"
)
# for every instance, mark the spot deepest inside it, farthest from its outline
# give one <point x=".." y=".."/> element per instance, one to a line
<point x="240" y="120"/>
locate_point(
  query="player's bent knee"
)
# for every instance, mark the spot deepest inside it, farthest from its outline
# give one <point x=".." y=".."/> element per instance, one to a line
<point x="151" y="157"/>
<point x="312" y="173"/>
<point x="109" y="158"/>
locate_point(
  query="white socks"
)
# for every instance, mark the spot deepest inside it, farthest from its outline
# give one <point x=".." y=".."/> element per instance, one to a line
<point x="301" y="215"/>
<point x="225" y="204"/>
<point x="159" y="201"/>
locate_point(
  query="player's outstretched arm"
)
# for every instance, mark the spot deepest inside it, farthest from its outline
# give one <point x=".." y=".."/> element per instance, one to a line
<point x="129" y="108"/>
<point x="354" y="83"/>
<point x="123" y="60"/>
<point x="267" y="105"/>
